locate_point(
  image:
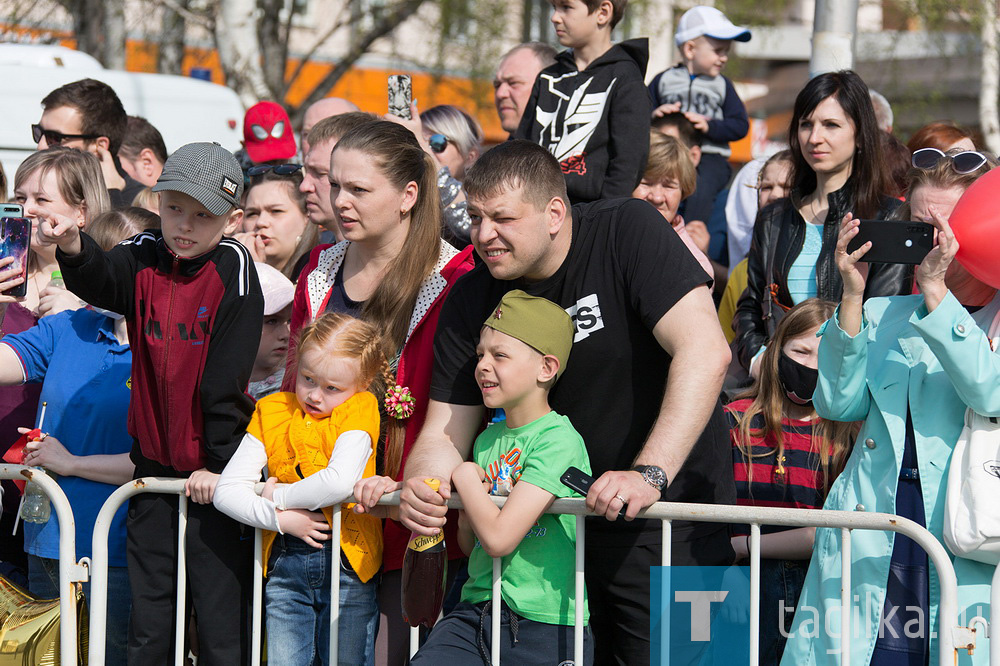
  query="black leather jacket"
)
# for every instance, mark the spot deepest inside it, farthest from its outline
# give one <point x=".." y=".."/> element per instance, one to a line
<point x="778" y="236"/>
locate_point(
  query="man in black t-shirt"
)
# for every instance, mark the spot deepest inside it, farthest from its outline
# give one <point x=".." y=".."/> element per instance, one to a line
<point x="641" y="387"/>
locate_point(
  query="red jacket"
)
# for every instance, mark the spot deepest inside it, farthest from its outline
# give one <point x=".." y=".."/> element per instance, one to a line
<point x="194" y="327"/>
<point x="416" y="362"/>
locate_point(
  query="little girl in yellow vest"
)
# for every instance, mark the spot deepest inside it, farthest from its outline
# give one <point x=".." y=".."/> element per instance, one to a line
<point x="319" y="441"/>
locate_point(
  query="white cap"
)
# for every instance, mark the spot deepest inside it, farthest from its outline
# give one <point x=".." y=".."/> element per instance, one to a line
<point x="710" y="22"/>
<point x="278" y="290"/>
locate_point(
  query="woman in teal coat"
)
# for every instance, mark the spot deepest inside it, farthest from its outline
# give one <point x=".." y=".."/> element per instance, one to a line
<point x="908" y="366"/>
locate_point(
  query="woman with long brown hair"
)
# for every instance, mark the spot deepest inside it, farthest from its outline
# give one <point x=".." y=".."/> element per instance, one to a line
<point x="838" y="167"/>
<point x="785" y="455"/>
<point x="394" y="271"/>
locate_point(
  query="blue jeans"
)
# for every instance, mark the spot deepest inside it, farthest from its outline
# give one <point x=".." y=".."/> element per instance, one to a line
<point x="298" y="608"/>
<point x="43" y="581"/>
<point x="780" y="585"/>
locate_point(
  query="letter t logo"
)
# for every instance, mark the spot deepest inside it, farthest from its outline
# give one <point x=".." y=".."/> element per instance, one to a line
<point x="701" y="607"/>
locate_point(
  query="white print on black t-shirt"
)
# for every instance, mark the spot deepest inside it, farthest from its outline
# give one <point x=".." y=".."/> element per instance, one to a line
<point x="586" y="316"/>
<point x="583" y="113"/>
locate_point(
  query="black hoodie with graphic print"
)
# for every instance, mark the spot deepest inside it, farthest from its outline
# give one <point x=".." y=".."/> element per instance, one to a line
<point x="595" y="122"/>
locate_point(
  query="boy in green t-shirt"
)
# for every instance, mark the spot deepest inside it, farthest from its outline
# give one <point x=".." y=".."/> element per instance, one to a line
<point x="523" y="349"/>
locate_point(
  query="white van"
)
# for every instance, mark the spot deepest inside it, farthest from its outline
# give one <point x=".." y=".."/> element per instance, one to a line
<point x="183" y="109"/>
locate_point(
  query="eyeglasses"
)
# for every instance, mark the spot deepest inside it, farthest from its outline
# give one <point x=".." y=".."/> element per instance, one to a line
<point x="966" y="161"/>
<point x="54" y="138"/>
<point x="438" y="142"/>
<point x="279" y="169"/>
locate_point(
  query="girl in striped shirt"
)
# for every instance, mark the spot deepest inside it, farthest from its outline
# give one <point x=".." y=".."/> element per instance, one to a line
<point x="784" y="455"/>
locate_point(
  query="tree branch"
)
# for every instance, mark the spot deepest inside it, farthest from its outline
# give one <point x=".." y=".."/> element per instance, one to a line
<point x="338" y="23"/>
<point x="389" y="21"/>
<point x="201" y="19"/>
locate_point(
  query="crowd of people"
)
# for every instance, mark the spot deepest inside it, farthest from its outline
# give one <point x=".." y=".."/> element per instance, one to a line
<point x="383" y="302"/>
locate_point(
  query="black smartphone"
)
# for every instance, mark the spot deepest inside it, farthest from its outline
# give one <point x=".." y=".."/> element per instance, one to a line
<point x="400" y="95"/>
<point x="15" y="240"/>
<point x="11" y="210"/>
<point x="578" y="480"/>
<point x="894" y="242"/>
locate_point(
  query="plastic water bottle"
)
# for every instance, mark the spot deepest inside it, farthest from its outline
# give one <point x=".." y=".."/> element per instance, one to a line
<point x="57" y="280"/>
<point x="36" y="507"/>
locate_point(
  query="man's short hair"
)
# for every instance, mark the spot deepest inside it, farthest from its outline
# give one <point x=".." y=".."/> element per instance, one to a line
<point x="140" y="134"/>
<point x="101" y="111"/>
<point x="514" y="164"/>
<point x="689" y="136"/>
<point x="617" y="12"/>
<point x="334" y="127"/>
<point x="545" y="53"/>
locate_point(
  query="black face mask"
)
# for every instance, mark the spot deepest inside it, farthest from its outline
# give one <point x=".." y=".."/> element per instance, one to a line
<point x="798" y="381"/>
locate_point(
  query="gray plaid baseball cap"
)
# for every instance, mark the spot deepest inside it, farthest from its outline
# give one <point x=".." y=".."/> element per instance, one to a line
<point x="206" y="171"/>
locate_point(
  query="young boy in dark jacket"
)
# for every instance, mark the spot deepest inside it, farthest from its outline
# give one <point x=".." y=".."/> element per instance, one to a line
<point x="591" y="109"/>
<point x="195" y="311"/>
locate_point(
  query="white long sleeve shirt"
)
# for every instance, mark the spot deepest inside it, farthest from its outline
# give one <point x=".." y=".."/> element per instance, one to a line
<point x="235" y="496"/>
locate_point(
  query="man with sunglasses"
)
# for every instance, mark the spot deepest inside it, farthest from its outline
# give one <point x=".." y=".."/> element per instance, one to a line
<point x="87" y="115"/>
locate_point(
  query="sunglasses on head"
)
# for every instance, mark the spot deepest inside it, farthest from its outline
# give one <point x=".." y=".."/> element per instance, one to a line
<point x="54" y="138"/>
<point x="279" y="169"/>
<point x="966" y="161"/>
<point x="438" y="142"/>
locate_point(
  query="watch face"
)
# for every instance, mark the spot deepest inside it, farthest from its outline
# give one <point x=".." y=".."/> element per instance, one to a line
<point x="655" y="476"/>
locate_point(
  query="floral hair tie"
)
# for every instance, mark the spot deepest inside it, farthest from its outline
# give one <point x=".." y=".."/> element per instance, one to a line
<point x="399" y="402"/>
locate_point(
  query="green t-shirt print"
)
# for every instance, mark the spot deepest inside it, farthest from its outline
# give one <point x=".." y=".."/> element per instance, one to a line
<point x="538" y="577"/>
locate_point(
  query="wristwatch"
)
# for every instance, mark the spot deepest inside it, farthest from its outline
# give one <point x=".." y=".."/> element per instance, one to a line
<point x="653" y="475"/>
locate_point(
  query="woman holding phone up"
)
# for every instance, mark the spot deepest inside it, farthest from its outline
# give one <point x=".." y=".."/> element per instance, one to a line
<point x="837" y="168"/>
<point x="907" y="367"/>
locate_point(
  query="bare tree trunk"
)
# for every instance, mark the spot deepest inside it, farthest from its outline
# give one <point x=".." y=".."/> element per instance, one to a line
<point x="272" y="46"/>
<point x="114" y="34"/>
<point x="170" y="57"/>
<point x="239" y="51"/>
<point x="88" y="20"/>
<point x="989" y="120"/>
<point x="659" y="22"/>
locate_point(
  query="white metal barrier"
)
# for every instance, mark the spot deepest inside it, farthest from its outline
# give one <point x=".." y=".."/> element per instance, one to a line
<point x="953" y="636"/>
<point x="70" y="571"/>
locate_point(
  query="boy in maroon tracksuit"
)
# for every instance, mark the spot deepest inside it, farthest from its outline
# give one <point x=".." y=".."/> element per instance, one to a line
<point x="195" y="311"/>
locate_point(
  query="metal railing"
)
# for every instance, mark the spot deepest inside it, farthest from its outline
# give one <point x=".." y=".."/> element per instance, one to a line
<point x="70" y="571"/>
<point x="952" y="636"/>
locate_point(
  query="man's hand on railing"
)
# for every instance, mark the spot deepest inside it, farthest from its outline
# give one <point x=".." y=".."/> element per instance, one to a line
<point x="422" y="510"/>
<point x="615" y="489"/>
<point x="200" y="486"/>
<point x="310" y="526"/>
<point x="369" y="491"/>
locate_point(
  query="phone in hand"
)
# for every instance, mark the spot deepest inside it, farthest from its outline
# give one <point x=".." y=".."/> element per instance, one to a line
<point x="400" y="95"/>
<point x="893" y="242"/>
<point x="11" y="210"/>
<point x="578" y="480"/>
<point x="15" y="240"/>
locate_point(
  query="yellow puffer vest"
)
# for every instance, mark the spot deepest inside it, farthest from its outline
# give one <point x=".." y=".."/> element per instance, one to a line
<point x="296" y="441"/>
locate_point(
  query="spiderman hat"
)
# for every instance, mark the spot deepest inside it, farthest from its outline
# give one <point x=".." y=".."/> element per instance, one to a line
<point x="267" y="133"/>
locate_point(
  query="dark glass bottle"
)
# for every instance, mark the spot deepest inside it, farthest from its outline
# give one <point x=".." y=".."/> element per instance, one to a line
<point x="425" y="566"/>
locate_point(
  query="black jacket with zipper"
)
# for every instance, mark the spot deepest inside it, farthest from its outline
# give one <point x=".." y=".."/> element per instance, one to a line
<point x="595" y="122"/>
<point x="778" y="237"/>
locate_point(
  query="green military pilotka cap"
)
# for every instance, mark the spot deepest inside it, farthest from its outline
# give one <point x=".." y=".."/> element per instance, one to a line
<point x="537" y="322"/>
